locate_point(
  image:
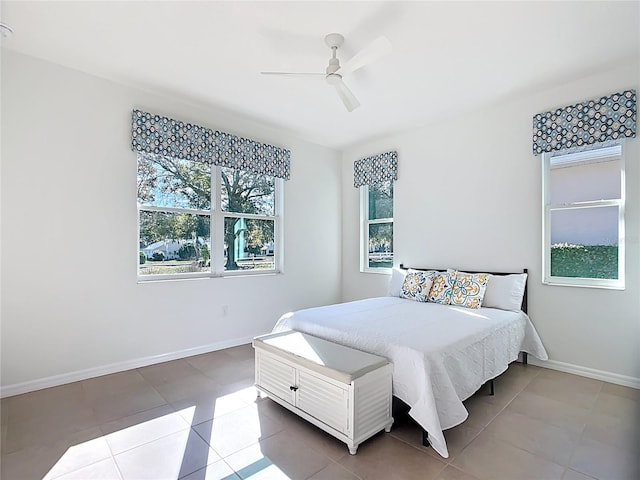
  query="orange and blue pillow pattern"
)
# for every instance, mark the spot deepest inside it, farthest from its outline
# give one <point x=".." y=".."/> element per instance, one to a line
<point x="416" y="286"/>
<point x="442" y="287"/>
<point x="468" y="289"/>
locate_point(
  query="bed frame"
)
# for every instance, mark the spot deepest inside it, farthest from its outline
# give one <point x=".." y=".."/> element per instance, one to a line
<point x="523" y="307"/>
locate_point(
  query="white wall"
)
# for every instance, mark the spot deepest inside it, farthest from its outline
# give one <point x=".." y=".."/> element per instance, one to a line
<point x="468" y="196"/>
<point x="69" y="189"/>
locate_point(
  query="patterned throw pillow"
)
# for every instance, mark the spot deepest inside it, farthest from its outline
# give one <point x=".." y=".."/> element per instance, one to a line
<point x="468" y="290"/>
<point x="416" y="286"/>
<point x="442" y="287"/>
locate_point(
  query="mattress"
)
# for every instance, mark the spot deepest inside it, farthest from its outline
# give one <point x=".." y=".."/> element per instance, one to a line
<point x="441" y="354"/>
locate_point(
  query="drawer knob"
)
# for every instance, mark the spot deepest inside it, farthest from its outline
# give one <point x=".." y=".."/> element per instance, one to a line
<point x="293" y="388"/>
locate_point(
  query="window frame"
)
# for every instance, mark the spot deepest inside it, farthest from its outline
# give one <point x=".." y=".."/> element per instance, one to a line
<point x="216" y="232"/>
<point x="594" y="153"/>
<point x="364" y="232"/>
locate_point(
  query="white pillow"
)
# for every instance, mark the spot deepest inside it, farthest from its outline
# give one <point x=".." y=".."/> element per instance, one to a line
<point x="505" y="291"/>
<point x="396" y="281"/>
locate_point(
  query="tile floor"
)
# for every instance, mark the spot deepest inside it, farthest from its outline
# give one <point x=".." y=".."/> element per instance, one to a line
<point x="198" y="419"/>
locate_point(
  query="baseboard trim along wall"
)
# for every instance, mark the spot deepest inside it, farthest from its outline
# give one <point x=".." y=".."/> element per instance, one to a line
<point x="623" y="380"/>
<point x="56" y="380"/>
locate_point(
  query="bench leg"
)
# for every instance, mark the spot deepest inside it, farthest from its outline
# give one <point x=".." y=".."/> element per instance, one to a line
<point x="387" y="429"/>
<point x="491" y="387"/>
<point x="425" y="438"/>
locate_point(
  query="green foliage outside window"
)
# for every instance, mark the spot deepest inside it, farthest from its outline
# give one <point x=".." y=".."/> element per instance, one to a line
<point x="584" y="261"/>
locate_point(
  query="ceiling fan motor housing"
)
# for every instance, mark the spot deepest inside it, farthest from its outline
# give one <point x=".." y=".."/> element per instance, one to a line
<point x="334" y="40"/>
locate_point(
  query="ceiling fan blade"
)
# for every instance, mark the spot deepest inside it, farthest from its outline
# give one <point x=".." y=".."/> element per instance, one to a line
<point x="348" y="98"/>
<point x="294" y="74"/>
<point x="376" y="49"/>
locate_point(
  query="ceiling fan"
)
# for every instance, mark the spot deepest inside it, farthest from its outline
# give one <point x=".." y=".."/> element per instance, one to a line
<point x="334" y="72"/>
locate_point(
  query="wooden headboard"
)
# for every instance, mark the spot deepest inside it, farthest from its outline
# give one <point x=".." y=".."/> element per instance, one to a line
<point x="524" y="270"/>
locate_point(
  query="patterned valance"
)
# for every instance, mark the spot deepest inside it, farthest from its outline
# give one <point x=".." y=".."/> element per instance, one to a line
<point x="166" y="137"/>
<point x="375" y="169"/>
<point x="594" y="121"/>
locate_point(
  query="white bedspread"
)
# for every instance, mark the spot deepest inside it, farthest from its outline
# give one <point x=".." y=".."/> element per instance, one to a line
<point x="441" y="354"/>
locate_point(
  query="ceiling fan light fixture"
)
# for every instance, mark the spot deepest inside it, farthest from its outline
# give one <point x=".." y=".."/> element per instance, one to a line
<point x="334" y="79"/>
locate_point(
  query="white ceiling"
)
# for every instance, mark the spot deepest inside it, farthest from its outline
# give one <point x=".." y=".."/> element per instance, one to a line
<point x="448" y="57"/>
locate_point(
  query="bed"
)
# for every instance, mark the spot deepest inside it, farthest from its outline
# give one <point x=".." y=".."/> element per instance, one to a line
<point x="442" y="354"/>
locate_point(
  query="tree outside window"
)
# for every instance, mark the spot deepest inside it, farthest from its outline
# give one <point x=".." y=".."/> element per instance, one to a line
<point x="377" y="227"/>
<point x="197" y="219"/>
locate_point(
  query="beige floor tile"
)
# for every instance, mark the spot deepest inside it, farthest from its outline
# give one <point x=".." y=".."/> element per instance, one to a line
<point x="237" y="430"/>
<point x="277" y="455"/>
<point x="167" y="372"/>
<point x="4" y="408"/>
<point x="233" y="372"/>
<point x="49" y="401"/>
<point x="109" y="385"/>
<point x="128" y="402"/>
<point x="247" y="393"/>
<point x="3" y="436"/>
<point x="210" y="361"/>
<point x="535" y="436"/>
<point x="79" y="456"/>
<point x="133" y="431"/>
<point x="215" y="471"/>
<point x="103" y="470"/>
<point x="573" y="475"/>
<point x="406" y="429"/>
<point x="210" y="405"/>
<point x="619" y="431"/>
<point x="483" y="409"/>
<point x="35" y="461"/>
<point x="517" y="376"/>
<point x="277" y="412"/>
<point x="334" y="471"/>
<point x="617" y="406"/>
<point x="621" y="391"/>
<point x="491" y="459"/>
<point x="563" y="387"/>
<point x="187" y="387"/>
<point x="550" y="411"/>
<point x="241" y="352"/>
<point x="171" y="457"/>
<point x="54" y="433"/>
<point x="25" y="431"/>
<point x="317" y="438"/>
<point x="604" y="462"/>
<point x="31" y="463"/>
<point x="453" y="473"/>
<point x="385" y="457"/>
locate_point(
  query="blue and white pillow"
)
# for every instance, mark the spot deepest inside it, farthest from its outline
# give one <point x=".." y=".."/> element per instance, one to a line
<point x="416" y="286"/>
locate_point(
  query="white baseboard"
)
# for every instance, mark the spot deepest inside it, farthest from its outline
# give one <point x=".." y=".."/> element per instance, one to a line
<point x="56" y="380"/>
<point x="624" y="380"/>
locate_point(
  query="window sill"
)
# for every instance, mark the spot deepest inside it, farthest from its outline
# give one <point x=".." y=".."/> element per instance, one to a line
<point x="383" y="271"/>
<point x="573" y="283"/>
<point x="171" y="278"/>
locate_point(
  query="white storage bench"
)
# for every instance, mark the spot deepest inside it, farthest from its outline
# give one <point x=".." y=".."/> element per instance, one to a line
<point x="344" y="391"/>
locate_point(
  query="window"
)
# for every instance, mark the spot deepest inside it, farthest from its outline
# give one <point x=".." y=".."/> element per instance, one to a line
<point x="583" y="195"/>
<point x="376" y="213"/>
<point x="198" y="220"/>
